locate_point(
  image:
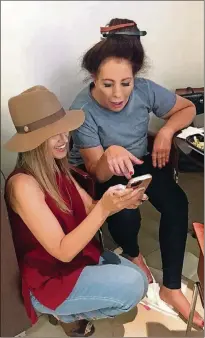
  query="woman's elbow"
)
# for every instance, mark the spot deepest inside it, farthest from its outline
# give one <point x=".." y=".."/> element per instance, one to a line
<point x="193" y="110"/>
<point x="192" y="107"/>
<point x="63" y="255"/>
<point x="65" y="258"/>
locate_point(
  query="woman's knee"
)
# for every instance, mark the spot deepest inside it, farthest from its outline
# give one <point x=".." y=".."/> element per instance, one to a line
<point x="134" y="288"/>
<point x="141" y="279"/>
<point x="178" y="203"/>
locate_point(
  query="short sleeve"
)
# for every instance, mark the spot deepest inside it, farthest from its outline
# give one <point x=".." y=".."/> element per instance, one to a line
<point x="86" y="136"/>
<point x="161" y="99"/>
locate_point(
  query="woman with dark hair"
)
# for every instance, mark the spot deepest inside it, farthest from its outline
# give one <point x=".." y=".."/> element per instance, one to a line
<point x="112" y="145"/>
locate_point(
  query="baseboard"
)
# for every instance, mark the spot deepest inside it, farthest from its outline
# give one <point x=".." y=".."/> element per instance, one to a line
<point x="22" y="334"/>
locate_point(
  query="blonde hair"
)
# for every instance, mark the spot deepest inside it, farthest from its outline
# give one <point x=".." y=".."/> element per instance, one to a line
<point x="43" y="167"/>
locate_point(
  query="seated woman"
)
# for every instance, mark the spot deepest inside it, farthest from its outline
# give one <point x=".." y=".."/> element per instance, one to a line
<point x="112" y="144"/>
<point x="54" y="221"/>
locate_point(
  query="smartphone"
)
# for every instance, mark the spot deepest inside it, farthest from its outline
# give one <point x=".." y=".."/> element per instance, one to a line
<point x="140" y="181"/>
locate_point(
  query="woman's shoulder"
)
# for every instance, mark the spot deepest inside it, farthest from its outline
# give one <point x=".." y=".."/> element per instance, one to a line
<point x="21" y="185"/>
<point x="146" y="89"/>
<point x="141" y="83"/>
<point x="82" y="100"/>
<point x="19" y="178"/>
<point x="142" y="89"/>
<point x="147" y="85"/>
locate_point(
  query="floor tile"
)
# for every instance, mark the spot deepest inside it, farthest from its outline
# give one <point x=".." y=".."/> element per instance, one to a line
<point x="103" y="328"/>
<point x="192" y="245"/>
<point x="154" y="259"/>
<point x="147" y="244"/>
<point x="193" y="185"/>
<point x="190" y="266"/>
<point x="150" y="220"/>
<point x="43" y="329"/>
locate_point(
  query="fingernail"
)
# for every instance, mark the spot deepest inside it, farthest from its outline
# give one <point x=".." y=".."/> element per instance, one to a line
<point x="147" y="307"/>
<point x="131" y="173"/>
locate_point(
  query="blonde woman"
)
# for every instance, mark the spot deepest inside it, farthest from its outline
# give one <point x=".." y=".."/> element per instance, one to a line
<point x="54" y="221"/>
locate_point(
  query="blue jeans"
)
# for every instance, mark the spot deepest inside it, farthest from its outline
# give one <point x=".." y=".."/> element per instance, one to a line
<point x="102" y="291"/>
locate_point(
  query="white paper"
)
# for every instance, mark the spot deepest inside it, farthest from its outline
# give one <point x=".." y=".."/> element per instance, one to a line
<point x="190" y="131"/>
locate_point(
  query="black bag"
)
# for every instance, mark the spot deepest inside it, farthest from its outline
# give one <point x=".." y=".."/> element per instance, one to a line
<point x="195" y="95"/>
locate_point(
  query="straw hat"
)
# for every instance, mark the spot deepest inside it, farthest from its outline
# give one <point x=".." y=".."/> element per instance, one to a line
<point x="37" y="115"/>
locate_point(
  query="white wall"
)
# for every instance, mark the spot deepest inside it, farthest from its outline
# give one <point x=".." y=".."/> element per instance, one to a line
<point x="43" y="41"/>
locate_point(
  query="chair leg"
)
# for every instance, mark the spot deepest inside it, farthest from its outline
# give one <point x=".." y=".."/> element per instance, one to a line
<point x="200" y="293"/>
<point x="192" y="309"/>
<point x="176" y="177"/>
<point x="174" y="161"/>
<point x="101" y="239"/>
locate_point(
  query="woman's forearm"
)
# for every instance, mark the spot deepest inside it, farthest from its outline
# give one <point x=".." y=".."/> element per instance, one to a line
<point x="76" y="240"/>
<point x="181" y="119"/>
<point x="102" y="171"/>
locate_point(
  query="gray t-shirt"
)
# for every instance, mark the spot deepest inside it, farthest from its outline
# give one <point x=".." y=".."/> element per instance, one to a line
<point x="127" y="128"/>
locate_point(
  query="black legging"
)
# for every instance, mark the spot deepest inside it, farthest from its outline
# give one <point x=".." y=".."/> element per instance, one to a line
<point x="170" y="200"/>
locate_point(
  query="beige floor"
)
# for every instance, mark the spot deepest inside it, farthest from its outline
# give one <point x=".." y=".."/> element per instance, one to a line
<point x="141" y="322"/>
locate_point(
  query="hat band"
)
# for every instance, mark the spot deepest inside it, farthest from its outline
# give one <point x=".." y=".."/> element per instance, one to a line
<point x="41" y="123"/>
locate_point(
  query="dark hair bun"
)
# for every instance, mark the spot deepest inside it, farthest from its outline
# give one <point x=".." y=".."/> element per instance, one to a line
<point x="127" y="47"/>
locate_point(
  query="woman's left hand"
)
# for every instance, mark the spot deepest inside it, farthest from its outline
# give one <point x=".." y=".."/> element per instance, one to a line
<point x="143" y="198"/>
<point x="162" y="147"/>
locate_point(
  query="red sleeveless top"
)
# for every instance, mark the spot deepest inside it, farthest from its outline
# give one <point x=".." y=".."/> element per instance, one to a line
<point x="50" y="280"/>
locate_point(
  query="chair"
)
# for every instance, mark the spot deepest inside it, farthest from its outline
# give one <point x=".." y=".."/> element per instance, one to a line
<point x="198" y="286"/>
<point x="14" y="319"/>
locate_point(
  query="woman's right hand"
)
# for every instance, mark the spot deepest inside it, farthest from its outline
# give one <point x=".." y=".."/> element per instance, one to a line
<point x="120" y="161"/>
<point x="118" y="197"/>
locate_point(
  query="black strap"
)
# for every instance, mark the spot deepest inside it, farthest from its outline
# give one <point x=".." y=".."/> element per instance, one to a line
<point x="190" y="88"/>
<point x="130" y="33"/>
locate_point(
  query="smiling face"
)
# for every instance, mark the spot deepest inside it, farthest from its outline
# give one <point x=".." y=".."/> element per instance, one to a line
<point x="113" y="84"/>
<point x="58" y="145"/>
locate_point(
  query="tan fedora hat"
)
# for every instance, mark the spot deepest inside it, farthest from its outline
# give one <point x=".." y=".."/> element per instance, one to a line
<point x="37" y="115"/>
